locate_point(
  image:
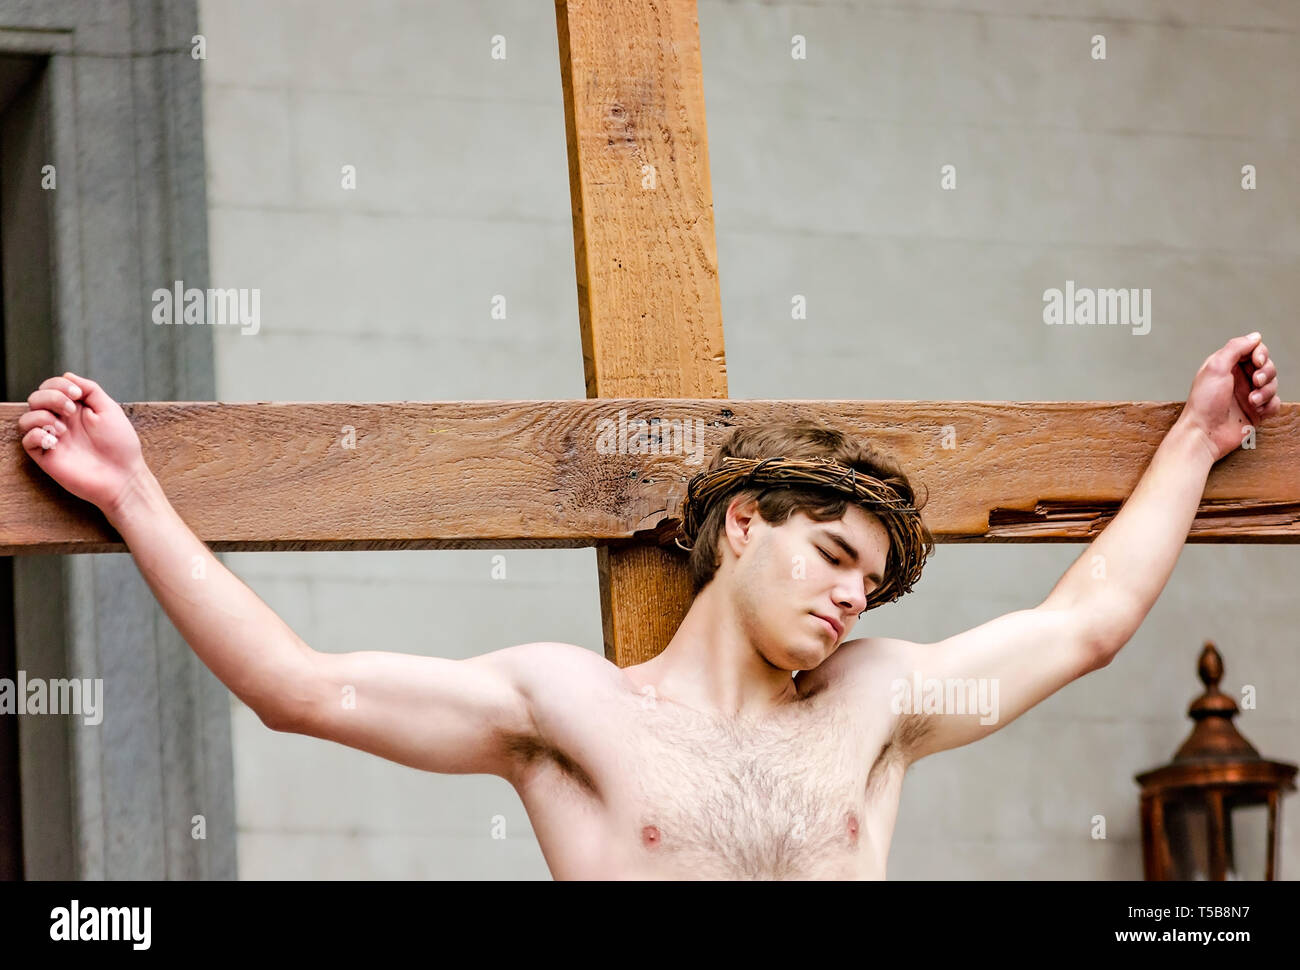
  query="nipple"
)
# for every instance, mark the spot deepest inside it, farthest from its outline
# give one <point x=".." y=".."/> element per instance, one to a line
<point x="650" y="836"/>
<point x="852" y="820"/>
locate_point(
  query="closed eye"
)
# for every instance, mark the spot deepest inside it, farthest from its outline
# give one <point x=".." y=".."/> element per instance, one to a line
<point x="831" y="559"/>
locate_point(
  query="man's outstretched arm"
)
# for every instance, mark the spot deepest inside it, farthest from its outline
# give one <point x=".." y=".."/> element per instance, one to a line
<point x="1122" y="572"/>
<point x="445" y="715"/>
<point x="1022" y="658"/>
<point x="1114" y="583"/>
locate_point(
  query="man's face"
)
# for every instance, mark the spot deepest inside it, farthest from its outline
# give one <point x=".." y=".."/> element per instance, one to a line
<point x="782" y="578"/>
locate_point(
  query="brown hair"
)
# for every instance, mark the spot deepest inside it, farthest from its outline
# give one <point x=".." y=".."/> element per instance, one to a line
<point x="807" y="439"/>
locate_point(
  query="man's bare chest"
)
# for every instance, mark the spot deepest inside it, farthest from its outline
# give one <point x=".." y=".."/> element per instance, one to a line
<point x="805" y="793"/>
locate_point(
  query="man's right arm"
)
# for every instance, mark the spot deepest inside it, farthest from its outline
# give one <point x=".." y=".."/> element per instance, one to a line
<point x="240" y="639"/>
<point x="456" y="716"/>
<point x="462" y="716"/>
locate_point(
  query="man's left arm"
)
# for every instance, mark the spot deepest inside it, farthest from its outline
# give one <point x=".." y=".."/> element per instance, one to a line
<point x="1023" y="657"/>
<point x="1112" y="586"/>
<point x="1115" y="583"/>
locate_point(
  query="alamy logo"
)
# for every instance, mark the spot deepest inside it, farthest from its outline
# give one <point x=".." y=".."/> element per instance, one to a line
<point x="1085" y="306"/>
<point x="73" y="924"/>
<point x="231" y="307"/>
<point x="39" y="696"/>
<point x="653" y="437"/>
<point x="952" y="695"/>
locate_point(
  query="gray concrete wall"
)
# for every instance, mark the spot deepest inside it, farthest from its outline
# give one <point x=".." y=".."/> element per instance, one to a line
<point x="1123" y="172"/>
<point x="113" y="108"/>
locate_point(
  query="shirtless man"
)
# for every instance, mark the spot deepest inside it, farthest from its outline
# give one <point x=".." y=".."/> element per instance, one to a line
<point x="757" y="745"/>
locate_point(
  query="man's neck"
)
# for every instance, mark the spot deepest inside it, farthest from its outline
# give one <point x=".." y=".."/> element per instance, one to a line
<point x="712" y="666"/>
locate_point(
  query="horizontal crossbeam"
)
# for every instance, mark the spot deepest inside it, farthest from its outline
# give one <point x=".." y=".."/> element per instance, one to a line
<point x="613" y="471"/>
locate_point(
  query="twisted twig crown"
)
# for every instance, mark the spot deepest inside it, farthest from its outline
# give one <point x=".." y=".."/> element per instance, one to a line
<point x="902" y="520"/>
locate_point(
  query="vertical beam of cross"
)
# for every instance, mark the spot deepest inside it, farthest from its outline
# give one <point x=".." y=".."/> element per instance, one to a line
<point x="647" y="265"/>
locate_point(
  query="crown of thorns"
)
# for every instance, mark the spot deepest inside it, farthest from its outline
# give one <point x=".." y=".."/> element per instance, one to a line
<point x="902" y="520"/>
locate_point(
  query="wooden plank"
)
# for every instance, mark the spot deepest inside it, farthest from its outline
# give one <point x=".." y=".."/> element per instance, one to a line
<point x="648" y="301"/>
<point x="527" y="474"/>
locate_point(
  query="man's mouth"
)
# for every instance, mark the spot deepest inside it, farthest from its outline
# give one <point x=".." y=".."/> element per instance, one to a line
<point x="830" y="625"/>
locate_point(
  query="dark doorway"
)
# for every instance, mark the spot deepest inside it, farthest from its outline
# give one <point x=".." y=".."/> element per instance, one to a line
<point x="25" y="286"/>
<point x="11" y="826"/>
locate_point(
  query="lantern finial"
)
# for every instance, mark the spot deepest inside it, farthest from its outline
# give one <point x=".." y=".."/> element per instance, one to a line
<point x="1215" y="736"/>
<point x="1210" y="666"/>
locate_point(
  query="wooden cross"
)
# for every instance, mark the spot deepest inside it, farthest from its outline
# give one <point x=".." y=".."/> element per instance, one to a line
<point x="528" y="474"/>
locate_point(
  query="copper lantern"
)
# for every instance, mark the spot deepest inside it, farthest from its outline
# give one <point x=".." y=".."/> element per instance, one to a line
<point x="1213" y="811"/>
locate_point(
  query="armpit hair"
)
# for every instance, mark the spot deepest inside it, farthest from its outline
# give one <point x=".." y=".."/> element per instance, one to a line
<point x="533" y="753"/>
<point x="908" y="734"/>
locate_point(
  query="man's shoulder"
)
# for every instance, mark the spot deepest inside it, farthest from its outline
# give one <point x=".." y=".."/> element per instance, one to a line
<point x="576" y="698"/>
<point x="556" y="653"/>
<point x="866" y="674"/>
<point x="870" y="655"/>
<point x="865" y="667"/>
<point x="548" y="667"/>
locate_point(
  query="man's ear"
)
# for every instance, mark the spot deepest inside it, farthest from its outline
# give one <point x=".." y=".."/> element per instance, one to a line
<point x="742" y="514"/>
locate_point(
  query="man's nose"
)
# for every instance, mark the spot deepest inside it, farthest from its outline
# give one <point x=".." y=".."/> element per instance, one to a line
<point x="851" y="599"/>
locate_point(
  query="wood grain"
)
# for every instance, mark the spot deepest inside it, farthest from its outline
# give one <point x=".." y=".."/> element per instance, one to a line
<point x="528" y="474"/>
<point x="647" y="266"/>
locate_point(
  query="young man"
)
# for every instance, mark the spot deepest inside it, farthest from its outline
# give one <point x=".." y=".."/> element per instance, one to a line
<point x="758" y="744"/>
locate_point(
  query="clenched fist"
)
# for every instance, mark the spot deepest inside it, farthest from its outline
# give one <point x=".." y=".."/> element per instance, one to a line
<point x="1235" y="389"/>
<point x="82" y="439"/>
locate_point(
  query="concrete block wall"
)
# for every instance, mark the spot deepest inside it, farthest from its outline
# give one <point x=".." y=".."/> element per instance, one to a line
<point x="1123" y="172"/>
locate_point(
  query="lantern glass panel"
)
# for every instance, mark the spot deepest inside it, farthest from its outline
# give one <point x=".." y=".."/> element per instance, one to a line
<point x="1248" y="843"/>
<point x="1187" y="825"/>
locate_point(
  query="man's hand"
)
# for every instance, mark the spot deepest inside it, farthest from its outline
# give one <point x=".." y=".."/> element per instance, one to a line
<point x="81" y="438"/>
<point x="1235" y="387"/>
